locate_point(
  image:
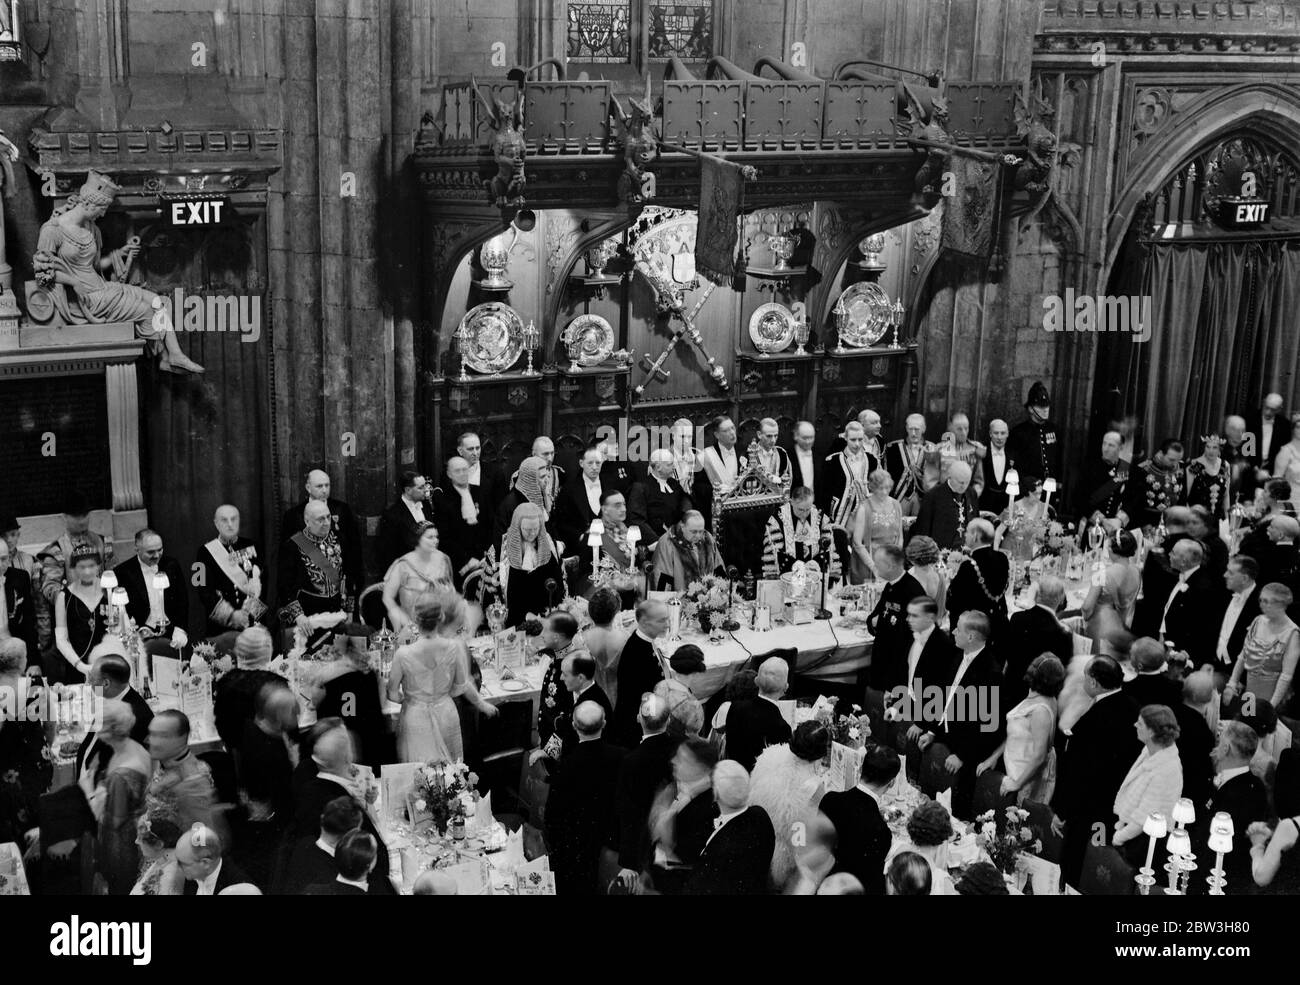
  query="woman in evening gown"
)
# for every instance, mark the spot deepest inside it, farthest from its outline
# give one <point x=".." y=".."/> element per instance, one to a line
<point x="426" y="675"/>
<point x="419" y="572"/>
<point x="1108" y="608"/>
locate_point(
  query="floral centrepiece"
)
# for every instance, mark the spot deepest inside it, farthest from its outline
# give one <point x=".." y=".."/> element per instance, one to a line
<point x="850" y="729"/>
<point x="443" y="792"/>
<point x="1017" y="837"/>
<point x="705" y="601"/>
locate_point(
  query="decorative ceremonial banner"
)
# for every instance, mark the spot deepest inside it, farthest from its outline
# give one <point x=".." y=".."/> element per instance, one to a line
<point x="717" y="229"/>
<point x="970" y="215"/>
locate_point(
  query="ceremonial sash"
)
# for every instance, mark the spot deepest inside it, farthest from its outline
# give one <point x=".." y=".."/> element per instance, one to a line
<point x="235" y="573"/>
<point x="317" y="557"/>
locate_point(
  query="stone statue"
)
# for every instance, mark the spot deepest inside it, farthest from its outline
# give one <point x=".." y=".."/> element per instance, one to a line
<point x="508" y="148"/>
<point x="1041" y="151"/>
<point x="69" y="253"/>
<point x="8" y="155"/>
<point x="639" y="148"/>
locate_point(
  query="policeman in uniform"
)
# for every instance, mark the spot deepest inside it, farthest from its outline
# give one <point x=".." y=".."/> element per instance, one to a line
<point x="1034" y="444"/>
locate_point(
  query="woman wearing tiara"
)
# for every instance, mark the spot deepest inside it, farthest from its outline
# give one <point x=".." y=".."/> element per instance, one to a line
<point x="415" y="574"/>
<point x="69" y="253"/>
<point x="1207" y="478"/>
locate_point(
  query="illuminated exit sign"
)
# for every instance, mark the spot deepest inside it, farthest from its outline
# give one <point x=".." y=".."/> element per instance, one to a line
<point x="207" y="210"/>
<point x="1242" y="213"/>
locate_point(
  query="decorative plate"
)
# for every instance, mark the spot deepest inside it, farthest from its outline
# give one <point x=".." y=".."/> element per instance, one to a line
<point x="492" y="335"/>
<point x="865" y="316"/>
<point x="512" y="684"/>
<point x="590" y="339"/>
<point x="771" y="327"/>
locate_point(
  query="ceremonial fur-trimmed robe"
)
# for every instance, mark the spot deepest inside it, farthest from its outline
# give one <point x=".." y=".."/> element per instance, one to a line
<point x="788" y="539"/>
<point x="310" y="577"/>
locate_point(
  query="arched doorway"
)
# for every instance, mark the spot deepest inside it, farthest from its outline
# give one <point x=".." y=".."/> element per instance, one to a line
<point x="1204" y="263"/>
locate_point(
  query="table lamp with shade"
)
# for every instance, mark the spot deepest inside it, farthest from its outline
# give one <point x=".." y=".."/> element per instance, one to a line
<point x="594" y="534"/>
<point x="1221" y="832"/>
<point x="1049" y="487"/>
<point x="108" y="582"/>
<point x="1184" y="814"/>
<point x="1155" y="828"/>
<point x="1180" y="846"/>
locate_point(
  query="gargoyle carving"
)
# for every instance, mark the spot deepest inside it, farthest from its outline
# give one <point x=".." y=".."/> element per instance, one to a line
<point x="508" y="148"/>
<point x="640" y="147"/>
<point x="1033" y="123"/>
<point x="929" y="177"/>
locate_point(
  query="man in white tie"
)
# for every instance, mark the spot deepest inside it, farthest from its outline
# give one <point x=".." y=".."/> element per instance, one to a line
<point x="993" y="467"/>
<point x="157" y="601"/>
<point x="579" y="501"/>
<point x="1187" y="613"/>
<point x="805" y="465"/>
<point x="972" y="721"/>
<point x="1242" y="579"/>
<point x="465" y="527"/>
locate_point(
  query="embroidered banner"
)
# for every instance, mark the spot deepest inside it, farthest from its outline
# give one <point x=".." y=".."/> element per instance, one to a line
<point x="721" y="184"/>
<point x="970" y="216"/>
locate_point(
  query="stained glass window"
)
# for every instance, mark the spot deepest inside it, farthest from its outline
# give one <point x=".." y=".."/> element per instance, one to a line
<point x="600" y="31"/>
<point x="681" y="29"/>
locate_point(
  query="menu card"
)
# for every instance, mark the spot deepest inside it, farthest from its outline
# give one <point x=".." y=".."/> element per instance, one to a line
<point x="167" y="678"/>
<point x="510" y="650"/>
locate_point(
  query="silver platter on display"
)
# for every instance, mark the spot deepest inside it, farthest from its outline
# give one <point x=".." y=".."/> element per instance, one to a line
<point x="771" y="327"/>
<point x="590" y="340"/>
<point x="492" y="334"/>
<point x="864" y="315"/>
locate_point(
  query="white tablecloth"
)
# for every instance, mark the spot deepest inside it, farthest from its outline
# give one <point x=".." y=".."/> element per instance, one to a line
<point x="827" y="652"/>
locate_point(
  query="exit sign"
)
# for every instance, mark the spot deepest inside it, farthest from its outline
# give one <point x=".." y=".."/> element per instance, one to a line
<point x="1242" y="213"/>
<point x="208" y="210"/>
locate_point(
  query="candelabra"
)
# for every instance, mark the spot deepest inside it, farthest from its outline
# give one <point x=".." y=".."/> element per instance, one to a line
<point x="733" y="572"/>
<point x="532" y="339"/>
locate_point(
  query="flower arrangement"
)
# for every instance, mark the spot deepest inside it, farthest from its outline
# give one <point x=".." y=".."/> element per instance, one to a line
<point x="705" y="600"/>
<point x="1016" y="838"/>
<point x="575" y="606"/>
<point x="852" y="729"/>
<point x="442" y="792"/>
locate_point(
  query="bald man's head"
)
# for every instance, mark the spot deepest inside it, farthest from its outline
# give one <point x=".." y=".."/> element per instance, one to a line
<point x="333" y="752"/>
<point x="1198" y="689"/>
<point x="959" y="477"/>
<point x="588" y="720"/>
<point x="316" y="518"/>
<point x="435" y="884"/>
<point x="773" y="677"/>
<point x="318" y="485"/>
<point x="731" y="785"/>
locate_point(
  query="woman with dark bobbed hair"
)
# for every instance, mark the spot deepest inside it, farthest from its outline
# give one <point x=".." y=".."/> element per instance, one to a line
<point x="1028" y="752"/>
<point x="930" y="830"/>
<point x="1155" y="782"/>
<point x="787" y="785"/>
